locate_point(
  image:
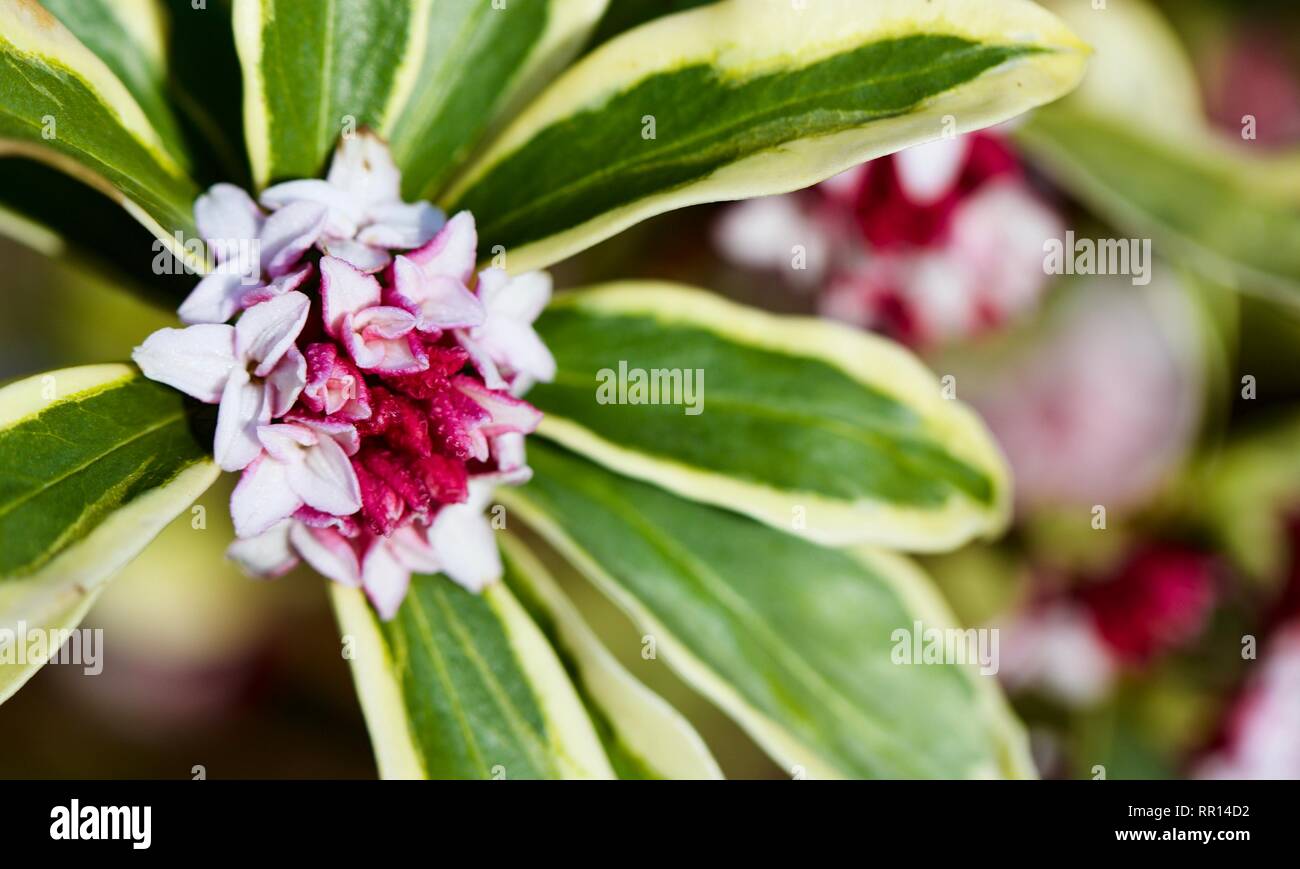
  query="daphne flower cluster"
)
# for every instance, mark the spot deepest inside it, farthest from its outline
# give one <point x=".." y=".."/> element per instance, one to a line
<point x="368" y="386"/>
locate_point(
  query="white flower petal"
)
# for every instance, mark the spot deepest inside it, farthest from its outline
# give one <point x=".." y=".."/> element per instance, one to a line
<point x="762" y="234"/>
<point x="363" y="257"/>
<point x="363" y="169"/>
<point x="328" y="552"/>
<point x="402" y="226"/>
<point x="325" y="480"/>
<point x="243" y="408"/>
<point x="516" y="346"/>
<point x="284" y="441"/>
<point x="438" y="301"/>
<point x="226" y="214"/>
<point x="196" y="360"/>
<point x="343" y="211"/>
<point x="520" y="298"/>
<point x="385" y="579"/>
<point x="465" y="546"/>
<point x="411" y="547"/>
<point x="268" y="329"/>
<point x="290" y="233"/>
<point x="266" y="555"/>
<point x="262" y="497"/>
<point x="214" y="300"/>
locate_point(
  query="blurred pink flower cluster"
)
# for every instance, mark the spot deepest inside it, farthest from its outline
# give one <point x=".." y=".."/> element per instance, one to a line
<point x="938" y="242"/>
<point x="1073" y="644"/>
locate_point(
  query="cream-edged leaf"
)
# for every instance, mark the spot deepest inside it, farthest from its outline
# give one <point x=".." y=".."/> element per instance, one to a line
<point x="810" y="426"/>
<point x="746" y="98"/>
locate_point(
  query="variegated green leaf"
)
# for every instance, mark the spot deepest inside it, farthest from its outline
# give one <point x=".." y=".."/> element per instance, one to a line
<point x="1133" y="145"/>
<point x="130" y="36"/>
<point x="798" y="643"/>
<point x="644" y="737"/>
<point x="429" y="74"/>
<point x="94" y="462"/>
<point x="460" y="685"/>
<point x="812" y="427"/>
<point x="63" y="105"/>
<point x="746" y="98"/>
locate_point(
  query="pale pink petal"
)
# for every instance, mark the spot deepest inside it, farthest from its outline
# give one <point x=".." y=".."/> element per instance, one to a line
<point x="340" y="431"/>
<point x="385" y="579"/>
<point x="284" y="284"/>
<point x="262" y="497"/>
<point x="927" y="172"/>
<point x="284" y="441"/>
<point x="507" y="336"/>
<point x="344" y="290"/>
<point x="226" y="213"/>
<point x="382" y="339"/>
<point x="453" y="252"/>
<point x="243" y="408"/>
<point x="410" y="546"/>
<point x="345" y="525"/>
<point x="196" y="360"/>
<point x="266" y="331"/>
<point x="285" y="381"/>
<point x="343" y="211"/>
<point x="324" y="479"/>
<point x="438" y="301"/>
<point x="290" y="233"/>
<point x="508" y="414"/>
<point x="334" y="385"/>
<point x="364" y="257"/>
<point x="266" y="555"/>
<point x="999" y="233"/>
<point x="401" y="226"/>
<point x="214" y="300"/>
<point x="328" y="552"/>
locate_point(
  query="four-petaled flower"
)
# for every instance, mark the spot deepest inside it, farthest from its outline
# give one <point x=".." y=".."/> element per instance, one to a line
<point x="252" y="369"/>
